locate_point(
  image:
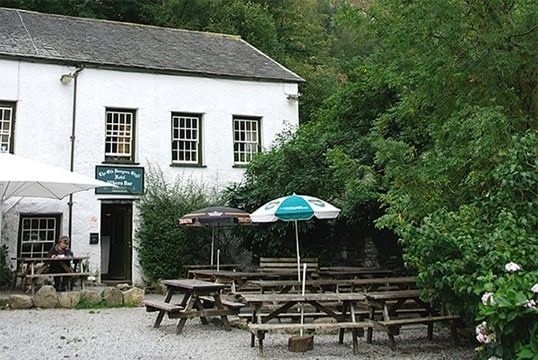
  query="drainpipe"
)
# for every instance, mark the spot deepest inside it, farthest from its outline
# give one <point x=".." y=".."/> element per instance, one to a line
<point x="74" y="75"/>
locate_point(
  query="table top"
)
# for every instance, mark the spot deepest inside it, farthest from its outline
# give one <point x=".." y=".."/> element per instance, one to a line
<point x="191" y="284"/>
<point x="355" y="272"/>
<point x="209" y="267"/>
<point x="327" y="282"/>
<point x="271" y="298"/>
<point x="392" y="295"/>
<point x="44" y="259"/>
<point x="230" y="274"/>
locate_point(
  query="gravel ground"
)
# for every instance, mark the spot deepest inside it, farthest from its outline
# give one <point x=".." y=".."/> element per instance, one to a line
<point x="127" y="333"/>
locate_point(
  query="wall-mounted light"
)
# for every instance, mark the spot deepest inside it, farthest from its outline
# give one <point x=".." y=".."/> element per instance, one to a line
<point x="293" y="96"/>
<point x="66" y="78"/>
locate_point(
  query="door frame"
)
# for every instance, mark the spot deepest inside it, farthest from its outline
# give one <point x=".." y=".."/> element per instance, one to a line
<point x="128" y="246"/>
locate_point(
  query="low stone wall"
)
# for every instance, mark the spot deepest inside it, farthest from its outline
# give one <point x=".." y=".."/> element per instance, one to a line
<point x="47" y="297"/>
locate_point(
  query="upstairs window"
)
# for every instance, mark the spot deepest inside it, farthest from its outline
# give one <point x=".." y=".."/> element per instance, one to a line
<point x="7" y="126"/>
<point x="247" y="139"/>
<point x="120" y="135"/>
<point x="186" y="139"/>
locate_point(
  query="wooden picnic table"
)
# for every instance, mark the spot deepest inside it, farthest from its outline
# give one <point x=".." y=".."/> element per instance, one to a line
<point x="390" y="302"/>
<point x="347" y="318"/>
<point x="197" y="296"/>
<point x="346" y="272"/>
<point x="235" y="278"/>
<point x="285" y="286"/>
<point x="30" y="272"/>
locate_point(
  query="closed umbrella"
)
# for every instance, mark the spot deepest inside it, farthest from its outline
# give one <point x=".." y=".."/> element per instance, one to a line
<point x="215" y="216"/>
<point x="22" y="177"/>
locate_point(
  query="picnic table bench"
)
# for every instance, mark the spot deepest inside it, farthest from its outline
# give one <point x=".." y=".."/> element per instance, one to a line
<point x="288" y="265"/>
<point x="201" y="300"/>
<point x="349" y="272"/>
<point x="346" y="319"/>
<point x="390" y="302"/>
<point x="335" y="285"/>
<point x="29" y="271"/>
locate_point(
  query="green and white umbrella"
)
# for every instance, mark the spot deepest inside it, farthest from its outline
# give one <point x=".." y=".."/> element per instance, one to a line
<point x="295" y="208"/>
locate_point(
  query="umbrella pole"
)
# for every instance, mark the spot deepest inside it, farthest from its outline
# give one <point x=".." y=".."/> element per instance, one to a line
<point x="298" y="254"/>
<point x="1" y="220"/>
<point x="212" y="244"/>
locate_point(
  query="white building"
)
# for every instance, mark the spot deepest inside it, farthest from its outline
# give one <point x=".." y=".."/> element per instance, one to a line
<point x="108" y="99"/>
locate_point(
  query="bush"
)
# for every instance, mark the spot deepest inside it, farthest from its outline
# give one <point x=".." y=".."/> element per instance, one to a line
<point x="6" y="274"/>
<point x="163" y="246"/>
<point x="463" y="254"/>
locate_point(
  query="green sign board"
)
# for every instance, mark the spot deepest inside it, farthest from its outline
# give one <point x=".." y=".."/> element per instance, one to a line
<point x="129" y="180"/>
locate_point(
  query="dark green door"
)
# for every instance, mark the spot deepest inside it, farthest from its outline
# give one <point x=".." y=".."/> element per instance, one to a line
<point x="116" y="241"/>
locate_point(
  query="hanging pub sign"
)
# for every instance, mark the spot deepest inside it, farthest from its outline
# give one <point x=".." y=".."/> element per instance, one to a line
<point x="129" y="180"/>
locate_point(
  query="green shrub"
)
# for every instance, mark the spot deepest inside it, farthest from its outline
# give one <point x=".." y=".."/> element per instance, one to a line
<point x="6" y="274"/>
<point x="509" y="314"/>
<point x="163" y="246"/>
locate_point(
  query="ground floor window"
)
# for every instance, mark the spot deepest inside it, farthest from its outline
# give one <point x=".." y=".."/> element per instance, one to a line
<point x="37" y="234"/>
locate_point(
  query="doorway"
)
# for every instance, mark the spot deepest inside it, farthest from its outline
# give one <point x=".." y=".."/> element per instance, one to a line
<point x="116" y="241"/>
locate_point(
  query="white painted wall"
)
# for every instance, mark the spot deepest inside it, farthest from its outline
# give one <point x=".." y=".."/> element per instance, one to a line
<point x="43" y="129"/>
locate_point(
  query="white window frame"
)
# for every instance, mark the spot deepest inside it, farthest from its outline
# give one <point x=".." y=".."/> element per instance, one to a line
<point x="246" y="138"/>
<point x="39" y="232"/>
<point x="184" y="144"/>
<point x="120" y="133"/>
<point x="7" y="126"/>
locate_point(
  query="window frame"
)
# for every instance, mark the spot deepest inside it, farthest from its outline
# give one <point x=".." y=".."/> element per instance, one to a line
<point x="258" y="120"/>
<point x="111" y="159"/>
<point x="57" y="218"/>
<point x="11" y="135"/>
<point x="199" y="150"/>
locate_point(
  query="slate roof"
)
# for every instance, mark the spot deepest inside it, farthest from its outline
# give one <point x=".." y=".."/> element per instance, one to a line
<point x="64" y="39"/>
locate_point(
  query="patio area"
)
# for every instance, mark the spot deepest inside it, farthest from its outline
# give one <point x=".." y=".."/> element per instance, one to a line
<point x="127" y="333"/>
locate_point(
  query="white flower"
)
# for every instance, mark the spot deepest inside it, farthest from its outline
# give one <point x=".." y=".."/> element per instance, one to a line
<point x="484" y="334"/>
<point x="487" y="299"/>
<point x="534" y="289"/>
<point x="512" y="267"/>
<point x="530" y="304"/>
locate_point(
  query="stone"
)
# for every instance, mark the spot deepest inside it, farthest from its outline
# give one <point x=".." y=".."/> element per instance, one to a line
<point x="20" y="302"/>
<point x="46" y="297"/>
<point x="112" y="296"/>
<point x="326" y="320"/>
<point x="300" y="343"/>
<point x="123" y="287"/>
<point x="134" y="297"/>
<point x="90" y="297"/>
<point x="69" y="299"/>
<point x="4" y="303"/>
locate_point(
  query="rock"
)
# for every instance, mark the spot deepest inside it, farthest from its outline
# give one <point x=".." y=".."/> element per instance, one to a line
<point x="90" y="297"/>
<point x="4" y="303"/>
<point x="69" y="299"/>
<point x="112" y="296"/>
<point x="300" y="343"/>
<point x="46" y="297"/>
<point x="123" y="287"/>
<point x="20" y="302"/>
<point x="326" y="331"/>
<point x="160" y="288"/>
<point x="133" y="297"/>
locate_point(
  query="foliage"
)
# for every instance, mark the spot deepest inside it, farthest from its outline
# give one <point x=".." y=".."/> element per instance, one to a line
<point x="509" y="312"/>
<point x="163" y="246"/>
<point x="6" y="274"/>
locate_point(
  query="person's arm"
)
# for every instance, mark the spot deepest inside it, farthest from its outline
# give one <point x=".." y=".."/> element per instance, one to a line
<point x="52" y="252"/>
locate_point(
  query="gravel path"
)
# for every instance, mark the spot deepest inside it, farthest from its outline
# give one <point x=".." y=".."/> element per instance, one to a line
<point x="128" y="334"/>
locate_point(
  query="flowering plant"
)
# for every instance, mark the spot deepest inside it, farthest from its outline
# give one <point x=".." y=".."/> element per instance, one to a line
<point x="508" y="315"/>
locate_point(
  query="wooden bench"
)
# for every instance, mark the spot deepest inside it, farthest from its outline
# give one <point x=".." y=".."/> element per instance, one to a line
<point x="152" y="306"/>
<point x="314" y="315"/>
<point x="229" y="304"/>
<point x="287" y="265"/>
<point x="259" y="330"/>
<point x="392" y="327"/>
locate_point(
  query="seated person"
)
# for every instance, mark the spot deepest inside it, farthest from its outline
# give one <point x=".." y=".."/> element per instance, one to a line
<point x="60" y="250"/>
